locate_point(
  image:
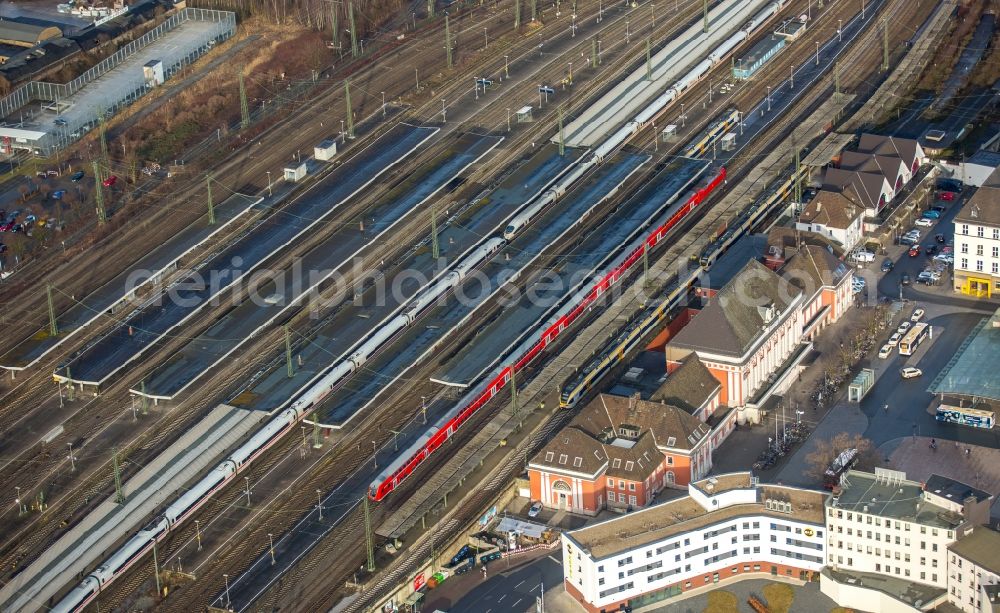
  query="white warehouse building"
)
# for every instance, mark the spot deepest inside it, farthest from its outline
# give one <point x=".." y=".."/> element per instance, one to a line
<point x="727" y="526"/>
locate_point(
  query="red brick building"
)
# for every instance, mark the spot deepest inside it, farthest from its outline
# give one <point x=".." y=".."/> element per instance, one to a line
<point x="617" y="453"/>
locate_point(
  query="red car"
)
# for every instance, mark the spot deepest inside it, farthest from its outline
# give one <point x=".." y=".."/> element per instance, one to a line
<point x="109" y="181"/>
<point x="948" y="196"/>
<point x="914" y="251"/>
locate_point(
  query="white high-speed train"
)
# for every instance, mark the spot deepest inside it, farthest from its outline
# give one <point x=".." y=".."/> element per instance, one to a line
<point x="136" y="546"/>
<point x="202" y="491"/>
<point x="641" y="120"/>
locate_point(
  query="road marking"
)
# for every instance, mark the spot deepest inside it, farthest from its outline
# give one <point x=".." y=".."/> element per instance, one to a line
<point x="554" y="560"/>
<point x="518" y="600"/>
<point x="501" y="598"/>
<point x="519" y="584"/>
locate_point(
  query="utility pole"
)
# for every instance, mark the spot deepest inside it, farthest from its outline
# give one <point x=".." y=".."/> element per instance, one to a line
<point x="103" y="135"/>
<point x="447" y="39"/>
<point x="704" y="8"/>
<point x="53" y="327"/>
<point x="562" y="140"/>
<point x="593" y="53"/>
<point x="885" y="44"/>
<point x="645" y="257"/>
<point x="71" y="391"/>
<point x="244" y="108"/>
<point x="350" y="110"/>
<point x="316" y="441"/>
<point x="334" y="19"/>
<point x="145" y="401"/>
<point x="197" y="532"/>
<point x="354" y="32"/>
<point x="289" y="367"/>
<point x="534" y="11"/>
<point x="119" y="495"/>
<point x="797" y="167"/>
<point x="156" y="571"/>
<point x="649" y="61"/>
<point x="211" y="207"/>
<point x="517" y="14"/>
<point x="513" y="390"/>
<point x="435" y="245"/>
<point x="836" y="79"/>
<point x="430" y="8"/>
<point x="368" y="536"/>
<point x="99" y="194"/>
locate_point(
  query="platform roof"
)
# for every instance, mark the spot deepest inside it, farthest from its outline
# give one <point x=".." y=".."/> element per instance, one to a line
<point x="980" y="353"/>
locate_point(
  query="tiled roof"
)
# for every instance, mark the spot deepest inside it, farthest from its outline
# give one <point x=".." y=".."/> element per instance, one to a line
<point x="831" y="209"/>
<point x="816" y="264"/>
<point x="623" y="434"/>
<point x="903" y="148"/>
<point x="984" y="205"/>
<point x="739" y="313"/>
<point x="889" y="166"/>
<point x="866" y="186"/>
<point x="688" y="387"/>
<point x="982" y="547"/>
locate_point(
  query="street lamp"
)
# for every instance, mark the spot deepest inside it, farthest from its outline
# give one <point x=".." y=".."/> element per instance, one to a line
<point x="506" y="66"/>
<point x="229" y="603"/>
<point x="268" y="183"/>
<point x="319" y="503"/>
<point x="383" y="104"/>
<point x="486" y="35"/>
<point x="768" y="98"/>
<point x="444" y="112"/>
<point x="817" y="53"/>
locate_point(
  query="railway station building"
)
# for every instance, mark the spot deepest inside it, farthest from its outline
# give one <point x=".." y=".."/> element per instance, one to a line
<point x="825" y="281"/>
<point x="617" y="453"/>
<point x="727" y="527"/>
<point x="749" y="332"/>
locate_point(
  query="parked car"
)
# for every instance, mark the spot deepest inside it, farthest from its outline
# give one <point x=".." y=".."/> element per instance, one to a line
<point x="924" y="222"/>
<point x="76" y="176"/>
<point x="30" y="219"/>
<point x="918" y="314"/>
<point x="861" y="255"/>
<point x="949" y="185"/>
<point x="58" y="194"/>
<point x="931" y="214"/>
<point x="885" y="351"/>
<point x="910" y="372"/>
<point x="940" y="208"/>
<point x="931" y="249"/>
<point x="904" y="326"/>
<point x="908" y="240"/>
<point x="926" y="278"/>
<point x="946" y="196"/>
<point x="914" y="251"/>
<point x="904" y="279"/>
<point x="886" y="265"/>
<point x="462" y="554"/>
<point x="496" y="555"/>
<point x="939" y="238"/>
<point x="894" y="339"/>
<point x="110" y="181"/>
<point x="535" y="509"/>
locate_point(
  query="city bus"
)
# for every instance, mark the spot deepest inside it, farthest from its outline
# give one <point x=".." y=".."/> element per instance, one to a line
<point x="976" y="418"/>
<point x="913" y="338"/>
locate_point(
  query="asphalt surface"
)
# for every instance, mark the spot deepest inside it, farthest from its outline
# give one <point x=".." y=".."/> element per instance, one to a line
<point x="290" y="284"/>
<point x="146" y="325"/>
<point x="353" y="320"/>
<point x="101" y="299"/>
<point x="380" y="374"/>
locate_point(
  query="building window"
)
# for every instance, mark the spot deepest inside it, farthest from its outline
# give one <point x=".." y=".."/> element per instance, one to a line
<point x="979" y="231"/>
<point x="979" y="250"/>
<point x="577" y="462"/>
<point x="549" y="456"/>
<point x="979" y="265"/>
<point x="631" y="500"/>
<point x="629" y="465"/>
<point x="611" y="483"/>
<point x="621" y="484"/>
<point x="996" y="268"/>
<point x="617" y="463"/>
<point x="964" y="264"/>
<point x="621" y="498"/>
<point x="670" y="460"/>
<point x="965" y="228"/>
<point x="996" y="252"/>
<point x="562" y="458"/>
<point x="631" y="487"/>
<point x="996" y="234"/>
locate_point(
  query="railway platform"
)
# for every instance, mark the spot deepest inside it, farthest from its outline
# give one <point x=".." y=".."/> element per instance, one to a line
<point x="156" y="483"/>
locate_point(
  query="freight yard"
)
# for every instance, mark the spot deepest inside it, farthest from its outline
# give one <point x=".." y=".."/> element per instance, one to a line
<point x="310" y="362"/>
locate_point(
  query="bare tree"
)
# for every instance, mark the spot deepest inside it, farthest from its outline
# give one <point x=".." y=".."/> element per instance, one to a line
<point x="826" y="450"/>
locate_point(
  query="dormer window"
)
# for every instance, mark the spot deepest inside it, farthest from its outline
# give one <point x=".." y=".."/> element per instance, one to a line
<point x="629" y="465"/>
<point x="617" y="463"/>
<point x="562" y="458"/>
<point x="549" y="456"/>
<point x="577" y="461"/>
<point x="671" y="441"/>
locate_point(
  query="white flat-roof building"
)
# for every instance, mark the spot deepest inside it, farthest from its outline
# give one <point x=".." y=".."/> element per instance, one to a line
<point x="883" y="524"/>
<point x="726" y="527"/>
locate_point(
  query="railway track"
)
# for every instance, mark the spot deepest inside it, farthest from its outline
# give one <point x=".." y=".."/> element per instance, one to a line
<point x="500" y="477"/>
<point x="161" y="436"/>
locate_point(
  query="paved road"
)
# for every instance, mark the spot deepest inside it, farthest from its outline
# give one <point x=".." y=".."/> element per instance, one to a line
<point x="509" y="587"/>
